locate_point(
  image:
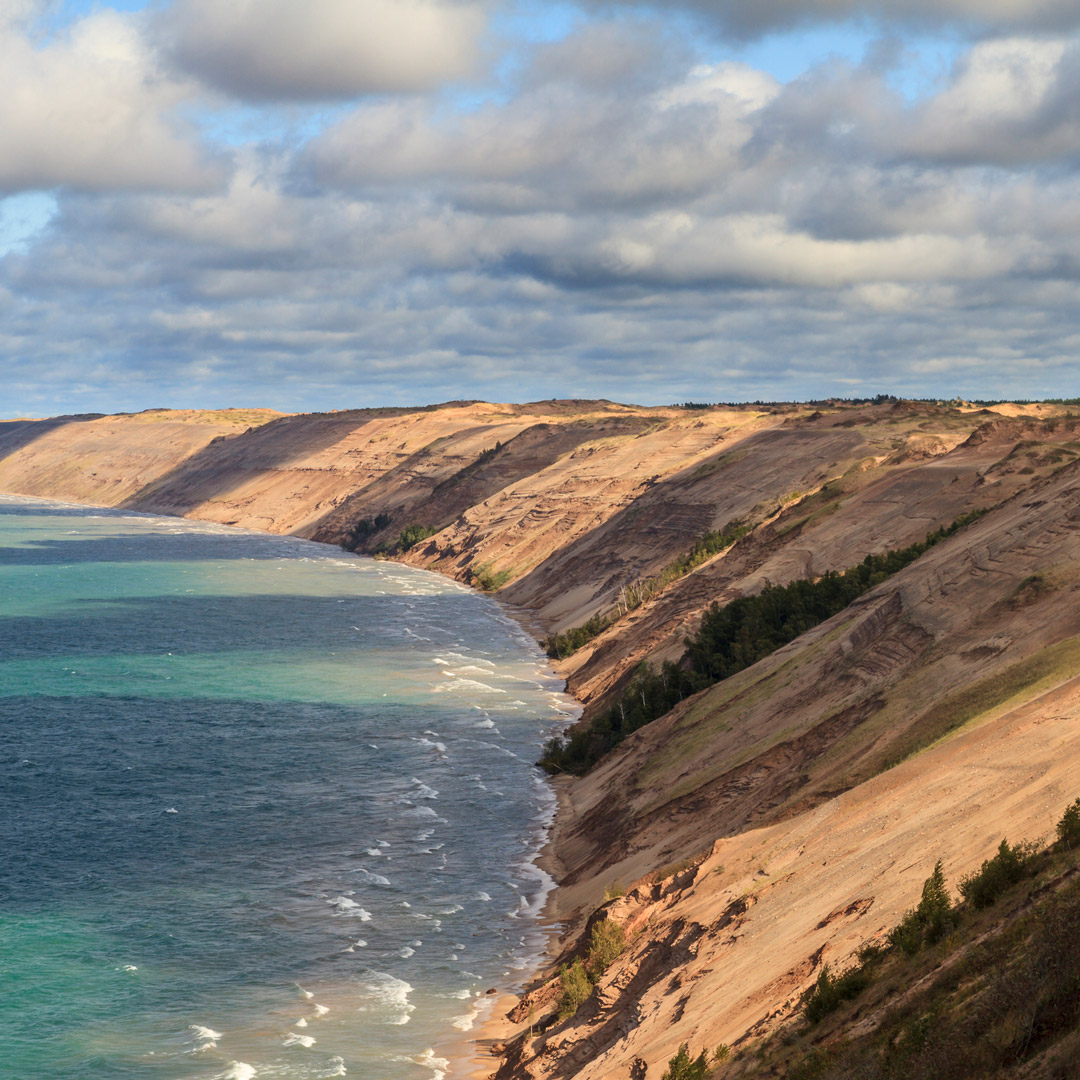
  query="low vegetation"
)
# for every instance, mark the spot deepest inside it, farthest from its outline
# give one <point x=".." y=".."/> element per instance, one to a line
<point x="487" y="579"/>
<point x="606" y="942"/>
<point x="560" y="646"/>
<point x="960" y="998"/>
<point x="365" y="528"/>
<point x="729" y="639"/>
<point x="411" y="535"/>
<point x="684" y="1067"/>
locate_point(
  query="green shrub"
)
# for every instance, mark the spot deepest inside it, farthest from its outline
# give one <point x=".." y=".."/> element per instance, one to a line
<point x="606" y="942"/>
<point x="366" y="527"/>
<point x="683" y="1067"/>
<point x="930" y="921"/>
<point x="576" y="989"/>
<point x="411" y="535"/>
<point x="829" y="992"/>
<point x="1068" y="828"/>
<point x="935" y="910"/>
<point x="1006" y="868"/>
<point x="483" y="577"/>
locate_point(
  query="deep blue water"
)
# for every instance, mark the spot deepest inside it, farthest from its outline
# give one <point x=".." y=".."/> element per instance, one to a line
<point x="266" y="810"/>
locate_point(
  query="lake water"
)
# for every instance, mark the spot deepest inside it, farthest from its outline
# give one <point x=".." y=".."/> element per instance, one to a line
<point x="266" y="809"/>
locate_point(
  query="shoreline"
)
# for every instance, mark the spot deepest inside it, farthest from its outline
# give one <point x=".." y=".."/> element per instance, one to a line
<point x="472" y="1055"/>
<point x="469" y="1053"/>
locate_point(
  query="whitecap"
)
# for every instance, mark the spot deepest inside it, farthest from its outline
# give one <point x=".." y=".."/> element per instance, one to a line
<point x="338" y="1065"/>
<point x="321" y="1010"/>
<point x="237" y="1070"/>
<point x="483" y="896"/>
<point x="301" y="1023"/>
<point x="127" y="967"/>
<point x="292" y="1039"/>
<point x="171" y="810"/>
<point x="306" y="993"/>
<point x="425" y="792"/>
<point x="437" y="1065"/>
<point x="405" y="952"/>
<point x="467" y="684"/>
<point x="438" y="746"/>
<point x="387" y="995"/>
<point x="466" y="1020"/>
<point x="348" y="907"/>
<point x="374" y="879"/>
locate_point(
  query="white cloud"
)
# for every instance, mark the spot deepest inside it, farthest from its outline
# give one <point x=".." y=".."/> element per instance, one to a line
<point x="1010" y="101"/>
<point x="89" y="110"/>
<point x="285" y="50"/>
<point x="557" y="144"/>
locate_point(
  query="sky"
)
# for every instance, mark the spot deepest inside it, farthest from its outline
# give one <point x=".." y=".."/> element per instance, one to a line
<point x="324" y="204"/>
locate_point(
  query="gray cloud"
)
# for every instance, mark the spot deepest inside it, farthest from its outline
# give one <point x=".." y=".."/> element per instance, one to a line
<point x="630" y="223"/>
<point x="749" y="20"/>
<point x="280" y="50"/>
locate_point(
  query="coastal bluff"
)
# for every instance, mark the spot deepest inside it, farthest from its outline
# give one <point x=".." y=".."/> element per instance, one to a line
<point x="770" y="824"/>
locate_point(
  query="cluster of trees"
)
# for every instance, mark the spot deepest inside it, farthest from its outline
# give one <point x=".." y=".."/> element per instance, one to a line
<point x="411" y="535"/>
<point x="729" y="639"/>
<point x="366" y="527"/>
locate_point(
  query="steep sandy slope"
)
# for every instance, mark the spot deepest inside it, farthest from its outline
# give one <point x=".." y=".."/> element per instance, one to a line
<point x="897" y="489"/>
<point x="962" y="670"/>
<point x="107" y="460"/>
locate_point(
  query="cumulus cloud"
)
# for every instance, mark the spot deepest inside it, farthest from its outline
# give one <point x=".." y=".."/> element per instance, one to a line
<point x="90" y="111"/>
<point x="281" y="50"/>
<point x="578" y="138"/>
<point x="625" y="220"/>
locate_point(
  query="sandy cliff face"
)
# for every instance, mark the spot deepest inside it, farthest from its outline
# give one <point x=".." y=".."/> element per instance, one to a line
<point x="812" y="792"/>
<point x="804" y="845"/>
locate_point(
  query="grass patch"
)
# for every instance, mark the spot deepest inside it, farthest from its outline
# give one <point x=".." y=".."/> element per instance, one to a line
<point x="631" y="597"/>
<point x="1046" y="666"/>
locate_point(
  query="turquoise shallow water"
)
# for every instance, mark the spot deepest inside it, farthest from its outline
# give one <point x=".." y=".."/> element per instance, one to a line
<point x="266" y="810"/>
